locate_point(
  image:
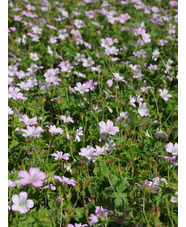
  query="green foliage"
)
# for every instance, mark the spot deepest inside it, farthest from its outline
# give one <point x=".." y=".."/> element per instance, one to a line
<point x="116" y="180"/>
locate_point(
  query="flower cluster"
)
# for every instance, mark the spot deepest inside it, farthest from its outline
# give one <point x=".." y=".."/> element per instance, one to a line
<point x="172" y="149"/>
<point x="142" y="109"/>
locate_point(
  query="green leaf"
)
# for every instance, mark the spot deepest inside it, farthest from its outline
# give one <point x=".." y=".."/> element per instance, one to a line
<point x="114" y="194"/>
<point x="12" y="145"/>
<point x="114" y="179"/>
<point x="79" y="213"/>
<point x="119" y="198"/>
<point x="122" y="187"/>
<point x="118" y="201"/>
<point x="104" y="168"/>
<point x="124" y="197"/>
<point x="50" y="204"/>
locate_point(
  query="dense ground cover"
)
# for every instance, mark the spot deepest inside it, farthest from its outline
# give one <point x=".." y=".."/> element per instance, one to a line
<point x="93" y="113"/>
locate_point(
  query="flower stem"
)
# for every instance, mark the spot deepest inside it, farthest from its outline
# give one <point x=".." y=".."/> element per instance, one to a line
<point x="144" y="209"/>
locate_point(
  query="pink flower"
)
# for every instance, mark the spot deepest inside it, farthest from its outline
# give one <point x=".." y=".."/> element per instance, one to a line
<point x="66" y="180"/>
<point x="34" y="177"/>
<point x="97" y="68"/>
<point x="132" y="101"/>
<point x="12" y="184"/>
<point x="79" y="132"/>
<point x="66" y="119"/>
<point x="149" y="185"/>
<point x="87" y="62"/>
<point x="58" y="199"/>
<point x="173" y="3"/>
<point x="53" y="40"/>
<point x="158" y="180"/>
<point x="49" y="50"/>
<point x="143" y="110"/>
<point x="79" y="23"/>
<point x="10" y="80"/>
<point x="88" y="152"/>
<point x="36" y="30"/>
<point x="21" y="204"/>
<point x="108" y="127"/>
<point x="169" y="159"/>
<point x="32" y="131"/>
<point x="79" y="57"/>
<point x="65" y="66"/>
<point x="140" y="53"/>
<point x="90" y="84"/>
<point x="34" y="56"/>
<point x="174" y="199"/>
<point x="33" y="68"/>
<point x="173" y="149"/>
<point x="53" y="80"/>
<point x="15" y="94"/>
<point x="155" y="54"/>
<point x="124" y="117"/>
<point x="62" y="34"/>
<point x="71" y="89"/>
<point x="146" y="38"/>
<point x="115" y="59"/>
<point x="28" y="121"/>
<point x="77" y="225"/>
<point x="162" y="42"/>
<point x="95" y="107"/>
<point x="59" y="155"/>
<point x="81" y="88"/>
<point x="58" y="56"/>
<point x="107" y="42"/>
<point x="118" y="77"/>
<point x="101" y="212"/>
<point x="154" y="67"/>
<point x="54" y="130"/>
<point x="17" y="18"/>
<point x="51" y="27"/>
<point x="50" y="76"/>
<point x="23" y="85"/>
<point x="12" y="70"/>
<point x="111" y="50"/>
<point x="53" y="188"/>
<point x="100" y="150"/>
<point x="93" y="219"/>
<point x="79" y="74"/>
<point x="123" y="18"/>
<point x="10" y="111"/>
<point x="9" y="207"/>
<point x="164" y="94"/>
<point x="110" y="82"/>
<point x="67" y="136"/>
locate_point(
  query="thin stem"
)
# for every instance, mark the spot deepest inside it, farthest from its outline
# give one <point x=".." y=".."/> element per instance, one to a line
<point x="144" y="209"/>
<point x="168" y="211"/>
<point x="164" y="63"/>
<point x="61" y="214"/>
<point x="156" y="101"/>
<point x="110" y="183"/>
